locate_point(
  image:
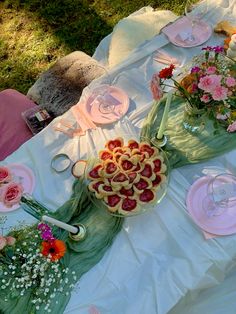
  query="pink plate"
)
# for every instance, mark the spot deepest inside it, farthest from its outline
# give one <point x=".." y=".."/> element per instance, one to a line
<point x="21" y="174"/>
<point x="120" y="100"/>
<point x="224" y="224"/>
<point x="202" y="32"/>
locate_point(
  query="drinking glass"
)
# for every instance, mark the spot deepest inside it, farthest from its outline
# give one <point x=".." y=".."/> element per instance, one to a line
<point x="104" y="100"/>
<point x="194" y="11"/>
<point x="101" y="95"/>
<point x="221" y="194"/>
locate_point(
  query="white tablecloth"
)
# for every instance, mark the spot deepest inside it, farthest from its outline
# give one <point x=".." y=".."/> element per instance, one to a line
<point x="160" y="261"/>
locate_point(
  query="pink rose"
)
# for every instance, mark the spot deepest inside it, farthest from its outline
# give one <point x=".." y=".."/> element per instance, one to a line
<point x="10" y="240"/>
<point x="156" y="89"/>
<point x="209" y="82"/>
<point x="205" y="98"/>
<point x="3" y="242"/>
<point x="11" y="193"/>
<point x="220" y="93"/>
<point x="232" y="127"/>
<point x="230" y="81"/>
<point x="5" y="175"/>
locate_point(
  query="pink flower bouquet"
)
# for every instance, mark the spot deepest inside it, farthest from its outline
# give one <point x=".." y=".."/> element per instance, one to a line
<point x="209" y="85"/>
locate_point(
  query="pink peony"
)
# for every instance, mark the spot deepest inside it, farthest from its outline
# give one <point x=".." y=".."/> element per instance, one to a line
<point x="220" y="93"/>
<point x="230" y="81"/>
<point x="156" y="89"/>
<point x="209" y="82"/>
<point x="10" y="240"/>
<point x="11" y="193"/>
<point x="211" y="70"/>
<point x="5" y="175"/>
<point x="232" y="127"/>
<point x="3" y="242"/>
<point x="205" y="98"/>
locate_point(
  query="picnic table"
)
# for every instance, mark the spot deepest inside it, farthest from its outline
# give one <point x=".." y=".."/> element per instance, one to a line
<point x="160" y="261"/>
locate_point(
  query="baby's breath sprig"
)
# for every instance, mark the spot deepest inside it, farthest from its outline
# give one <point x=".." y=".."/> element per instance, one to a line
<point x="25" y="268"/>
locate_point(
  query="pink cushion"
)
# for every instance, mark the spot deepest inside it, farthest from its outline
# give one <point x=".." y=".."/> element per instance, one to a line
<point x="13" y="129"/>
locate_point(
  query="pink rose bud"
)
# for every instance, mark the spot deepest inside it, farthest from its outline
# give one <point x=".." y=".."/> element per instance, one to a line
<point x="232" y="127"/>
<point x="5" y="175"/>
<point x="3" y="242"/>
<point x="11" y="193"/>
<point x="155" y="86"/>
<point x="10" y="240"/>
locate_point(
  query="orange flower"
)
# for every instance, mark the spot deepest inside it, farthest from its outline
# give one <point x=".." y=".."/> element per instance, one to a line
<point x="55" y="248"/>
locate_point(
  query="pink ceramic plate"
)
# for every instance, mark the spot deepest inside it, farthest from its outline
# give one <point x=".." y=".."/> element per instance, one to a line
<point x="121" y="105"/>
<point x="224" y="224"/>
<point x="202" y="32"/>
<point x="24" y="175"/>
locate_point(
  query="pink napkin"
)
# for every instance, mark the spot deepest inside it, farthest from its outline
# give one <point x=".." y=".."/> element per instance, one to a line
<point x="181" y="30"/>
<point x="208" y="235"/>
<point x="67" y="127"/>
<point x="162" y="57"/>
<point x="82" y="117"/>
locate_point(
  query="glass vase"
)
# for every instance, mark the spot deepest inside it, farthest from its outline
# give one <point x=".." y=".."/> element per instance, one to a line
<point x="193" y="120"/>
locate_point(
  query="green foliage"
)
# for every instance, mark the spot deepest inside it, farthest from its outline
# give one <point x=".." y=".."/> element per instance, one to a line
<point x="36" y="33"/>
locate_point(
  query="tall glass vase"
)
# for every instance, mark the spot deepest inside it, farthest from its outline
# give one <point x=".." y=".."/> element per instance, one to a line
<point x="193" y="120"/>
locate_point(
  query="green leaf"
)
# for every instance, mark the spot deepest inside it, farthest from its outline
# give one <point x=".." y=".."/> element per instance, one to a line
<point x="65" y="260"/>
<point x="9" y="252"/>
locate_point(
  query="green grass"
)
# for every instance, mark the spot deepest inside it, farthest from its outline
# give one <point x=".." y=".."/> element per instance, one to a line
<point x="36" y="33"/>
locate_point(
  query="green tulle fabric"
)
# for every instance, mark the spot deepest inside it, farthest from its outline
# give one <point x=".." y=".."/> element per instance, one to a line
<point x="80" y="256"/>
<point x="183" y="147"/>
